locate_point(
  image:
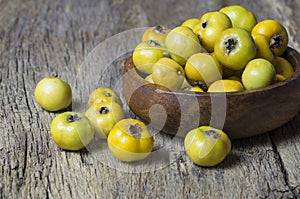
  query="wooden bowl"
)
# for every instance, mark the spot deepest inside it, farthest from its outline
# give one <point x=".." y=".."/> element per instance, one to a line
<point x="240" y="114"/>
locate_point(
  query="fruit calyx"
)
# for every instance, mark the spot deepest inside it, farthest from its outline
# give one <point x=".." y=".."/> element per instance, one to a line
<point x="204" y="24"/>
<point x="135" y="130"/>
<point x="73" y="118"/>
<point x="230" y="45"/>
<point x="179" y="73"/>
<point x="160" y="29"/>
<point x="213" y="134"/>
<point x="108" y="94"/>
<point x="201" y="85"/>
<point x="154" y="43"/>
<point x="276" y="41"/>
<point x="103" y="110"/>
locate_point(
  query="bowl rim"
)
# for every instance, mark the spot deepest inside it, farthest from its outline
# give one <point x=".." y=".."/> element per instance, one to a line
<point x="162" y="89"/>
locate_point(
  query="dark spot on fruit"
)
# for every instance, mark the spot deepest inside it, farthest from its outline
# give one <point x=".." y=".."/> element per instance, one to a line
<point x="160" y="29"/>
<point x="103" y="110"/>
<point x="153" y="43"/>
<point x="212" y="133"/>
<point x="276" y="41"/>
<point x="204" y="24"/>
<point x="230" y="45"/>
<point x="135" y="130"/>
<point x="73" y="118"/>
<point x="108" y="94"/>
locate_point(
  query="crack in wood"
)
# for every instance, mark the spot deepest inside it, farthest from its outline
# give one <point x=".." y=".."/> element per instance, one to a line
<point x="282" y="168"/>
<point x="40" y="37"/>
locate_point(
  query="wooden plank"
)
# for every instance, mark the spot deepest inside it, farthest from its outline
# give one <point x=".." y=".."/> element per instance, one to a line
<point x="54" y="37"/>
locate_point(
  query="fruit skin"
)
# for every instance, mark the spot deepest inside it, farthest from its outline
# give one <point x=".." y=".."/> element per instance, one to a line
<point x="226" y="71"/>
<point x="207" y="146"/>
<point x="264" y="50"/>
<point x="147" y="53"/>
<point x="280" y="78"/>
<point x="190" y="23"/>
<point x="229" y="73"/>
<point x="210" y="27"/>
<point x="185" y="84"/>
<point x="103" y="94"/>
<point x="226" y="85"/>
<point x="53" y="94"/>
<point x="258" y="73"/>
<point x="168" y="73"/>
<point x="71" y="131"/>
<point x="196" y="89"/>
<point x="129" y="140"/>
<point x="182" y="42"/>
<point x="276" y="33"/>
<point x="234" y="48"/>
<point x="234" y="77"/>
<point x="283" y="67"/>
<point x="104" y="116"/>
<point x="240" y="17"/>
<point x="156" y="33"/>
<point x="203" y="67"/>
<point x="149" y="79"/>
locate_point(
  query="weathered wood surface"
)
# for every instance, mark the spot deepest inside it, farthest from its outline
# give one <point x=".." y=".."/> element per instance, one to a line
<point x="41" y="38"/>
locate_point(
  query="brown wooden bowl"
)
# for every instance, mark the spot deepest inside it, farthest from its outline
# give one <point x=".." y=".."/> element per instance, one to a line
<point x="240" y="114"/>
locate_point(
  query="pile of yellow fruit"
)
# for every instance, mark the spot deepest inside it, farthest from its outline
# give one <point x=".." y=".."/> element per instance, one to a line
<point x="222" y="51"/>
<point x="128" y="139"/>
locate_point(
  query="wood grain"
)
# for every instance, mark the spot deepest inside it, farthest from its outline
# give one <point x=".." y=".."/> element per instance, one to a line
<point x="42" y="38"/>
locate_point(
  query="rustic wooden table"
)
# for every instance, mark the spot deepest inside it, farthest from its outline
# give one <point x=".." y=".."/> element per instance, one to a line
<point x="53" y="37"/>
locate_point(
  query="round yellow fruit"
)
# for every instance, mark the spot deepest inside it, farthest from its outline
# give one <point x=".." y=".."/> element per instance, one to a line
<point x="53" y="94"/>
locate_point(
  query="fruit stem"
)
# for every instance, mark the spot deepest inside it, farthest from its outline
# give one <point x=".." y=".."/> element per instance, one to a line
<point x="230" y="45"/>
<point x="212" y="134"/>
<point x="135" y="130"/>
<point x="73" y="118"/>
